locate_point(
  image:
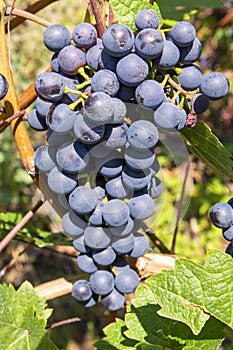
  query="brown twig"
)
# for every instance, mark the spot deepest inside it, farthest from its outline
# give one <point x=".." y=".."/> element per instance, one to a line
<point x="6" y="240"/>
<point x="34" y="8"/>
<point x="98" y="17"/>
<point x="179" y="210"/>
<point x="13" y="261"/>
<point x="8" y="120"/>
<point x="27" y="15"/>
<point x="64" y="322"/>
<point x="11" y="104"/>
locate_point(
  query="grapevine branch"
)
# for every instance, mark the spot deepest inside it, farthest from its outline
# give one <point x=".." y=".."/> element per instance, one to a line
<point x="27" y="15"/>
<point x="180" y="208"/>
<point x="13" y="261"/>
<point x="12" y="106"/>
<point x="98" y="17"/>
<point x="37" y="6"/>
<point x="8" y="120"/>
<point x="6" y="240"/>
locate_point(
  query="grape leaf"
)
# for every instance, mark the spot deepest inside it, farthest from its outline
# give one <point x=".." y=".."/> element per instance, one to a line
<point x="125" y="11"/>
<point x="34" y="234"/>
<point x="205" y="145"/>
<point x="192" y="293"/>
<point x="115" y="340"/>
<point x="169" y="10"/>
<point x="23" y="319"/>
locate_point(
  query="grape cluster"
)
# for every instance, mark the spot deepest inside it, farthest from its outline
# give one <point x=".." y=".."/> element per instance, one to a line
<point x="99" y="158"/>
<point x="221" y="215"/>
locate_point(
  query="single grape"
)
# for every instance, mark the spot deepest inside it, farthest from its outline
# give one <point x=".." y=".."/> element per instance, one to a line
<point x="119" y="111"/>
<point x="86" y="263"/>
<point x="149" y="94"/>
<point x="106" y="81"/>
<point x="104" y="257"/>
<point x="132" y="70"/>
<point x="99" y="107"/>
<point x="116" y="189"/>
<point x="70" y="59"/>
<point x="97" y="238"/>
<point x="61" y="119"/>
<point x="86" y="131"/>
<point x="135" y="179"/>
<point x="191" y="53"/>
<point x="155" y="187"/>
<point x="124" y="230"/>
<point x="92" y="57"/>
<point x="111" y="166"/>
<point x="80" y="245"/>
<point x="107" y="61"/>
<point x="139" y="160"/>
<point x="61" y="182"/>
<point x="96" y="217"/>
<point x="200" y="103"/>
<point x="113" y="301"/>
<point x="141" y="207"/>
<point x="56" y="37"/>
<point x="142" y="134"/>
<point x="126" y="281"/>
<point x="81" y="290"/>
<point x="123" y="245"/>
<point x="83" y="200"/>
<point x="44" y="158"/>
<point x="115" y="135"/>
<point x="72" y="158"/>
<point x="42" y="106"/>
<point x="73" y="224"/>
<point x="126" y="93"/>
<point x="84" y="35"/>
<point x="102" y="282"/>
<point x="169" y="117"/>
<point x="190" y="78"/>
<point x="149" y="43"/>
<point x="146" y="18"/>
<point x="183" y="33"/>
<point x="116" y="212"/>
<point x="168" y="57"/>
<point x="50" y="86"/>
<point x="221" y="215"/>
<point x="141" y="245"/>
<point x="118" y="40"/>
<point x="215" y="85"/>
<point x="4" y="86"/>
<point x="36" y="121"/>
<point x="228" y="233"/>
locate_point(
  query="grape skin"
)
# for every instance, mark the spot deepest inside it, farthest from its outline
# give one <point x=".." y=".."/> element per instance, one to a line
<point x="146" y="18"/>
<point x="215" y="85"/>
<point x="56" y="37"/>
<point x="118" y="40"/>
<point x="132" y="70"/>
<point x="4" y="86"/>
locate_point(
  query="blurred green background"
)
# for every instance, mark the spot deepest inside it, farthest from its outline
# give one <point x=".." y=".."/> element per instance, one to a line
<point x="196" y="235"/>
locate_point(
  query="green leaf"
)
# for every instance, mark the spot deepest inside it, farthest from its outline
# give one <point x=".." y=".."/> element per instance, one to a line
<point x="168" y="8"/>
<point x="192" y="293"/>
<point x="34" y="234"/>
<point x="205" y="145"/>
<point x="23" y="319"/>
<point x="116" y="340"/>
<point x="125" y="11"/>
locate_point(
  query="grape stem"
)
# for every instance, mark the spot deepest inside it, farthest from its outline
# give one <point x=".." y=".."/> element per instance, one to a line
<point x="7" y="239"/>
<point x="37" y="6"/>
<point x="179" y="209"/>
<point x="8" y="120"/>
<point x="178" y="87"/>
<point x="27" y="15"/>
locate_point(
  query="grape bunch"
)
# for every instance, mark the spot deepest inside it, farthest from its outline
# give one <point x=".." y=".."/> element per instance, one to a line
<point x="99" y="158"/>
<point x="221" y="215"/>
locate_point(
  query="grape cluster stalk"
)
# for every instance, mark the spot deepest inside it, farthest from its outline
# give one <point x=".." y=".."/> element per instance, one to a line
<point x="99" y="158"/>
